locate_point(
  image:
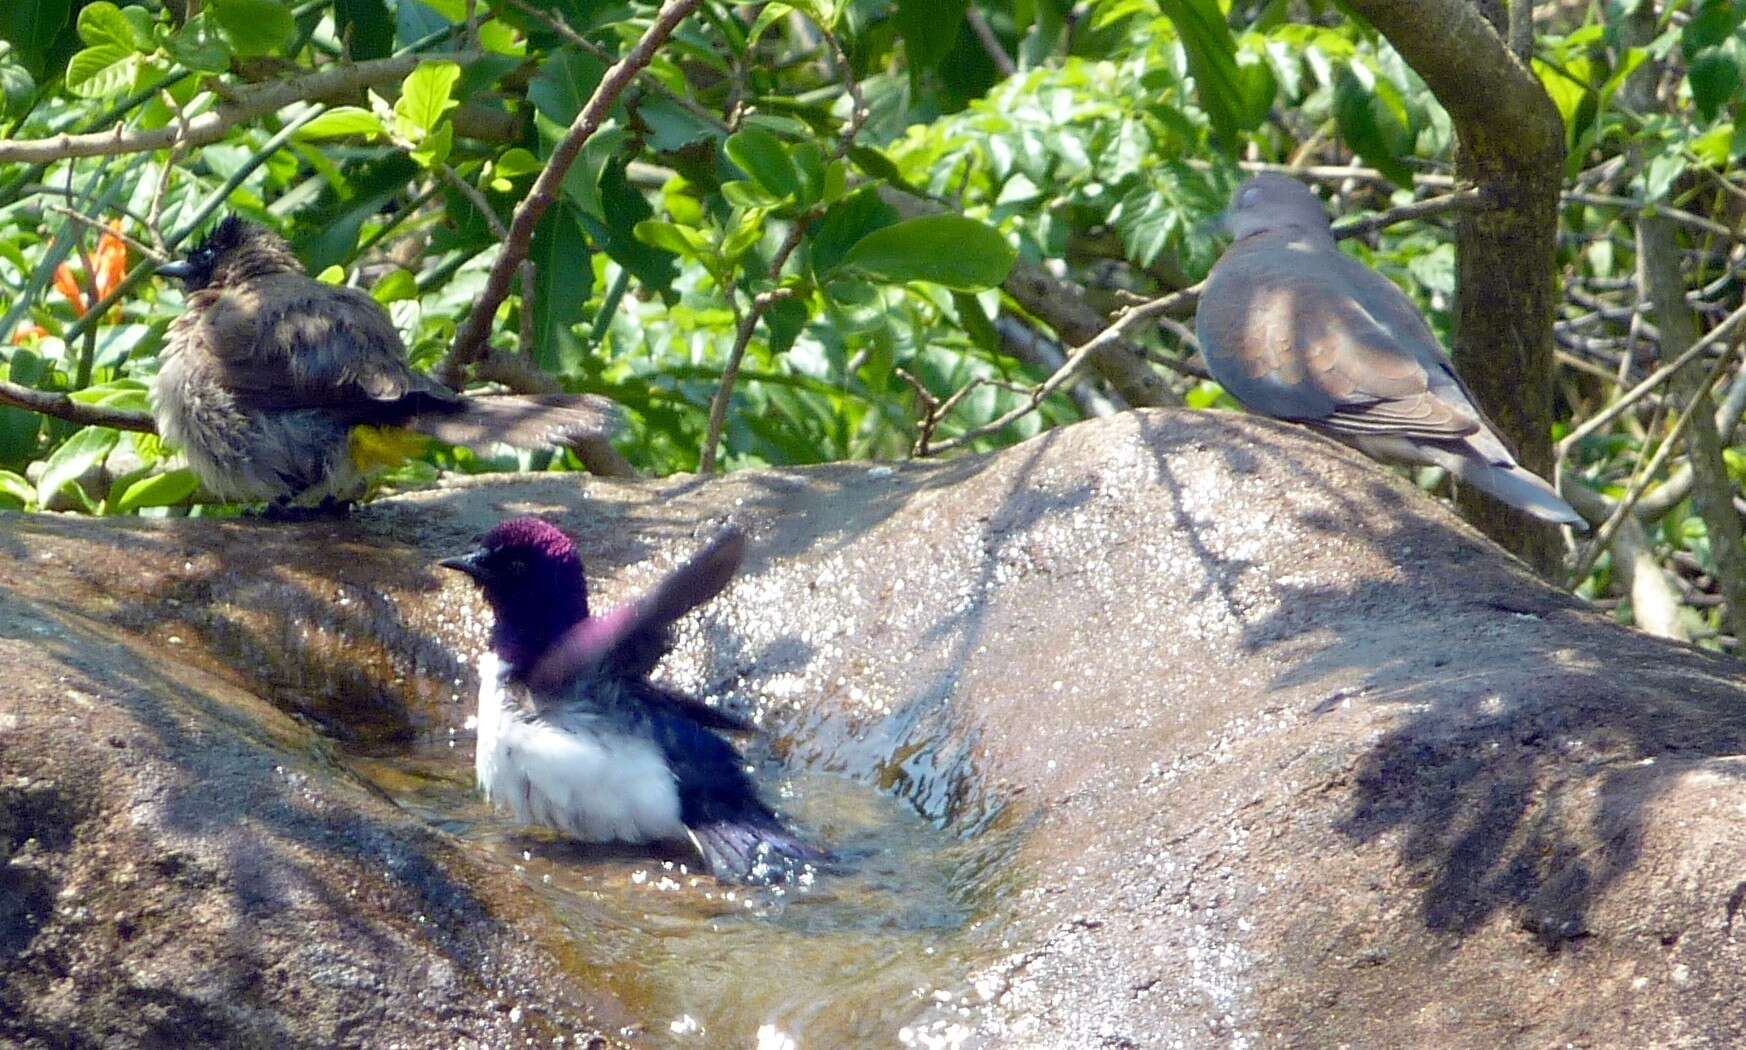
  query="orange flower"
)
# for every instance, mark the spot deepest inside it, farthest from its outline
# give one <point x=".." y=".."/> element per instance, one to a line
<point x="110" y="262"/>
<point x="68" y="285"/>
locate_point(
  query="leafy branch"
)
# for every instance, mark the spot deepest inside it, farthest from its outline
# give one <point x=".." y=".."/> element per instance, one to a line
<point x="470" y="339"/>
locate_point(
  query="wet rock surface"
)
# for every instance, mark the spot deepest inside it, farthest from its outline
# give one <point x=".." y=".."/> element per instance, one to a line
<point x="186" y="866"/>
<point x="1245" y="744"/>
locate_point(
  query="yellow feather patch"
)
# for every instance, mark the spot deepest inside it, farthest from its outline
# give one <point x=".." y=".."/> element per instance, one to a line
<point x="382" y="448"/>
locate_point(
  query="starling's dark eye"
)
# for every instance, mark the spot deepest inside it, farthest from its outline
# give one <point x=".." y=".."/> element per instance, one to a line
<point x="516" y="567"/>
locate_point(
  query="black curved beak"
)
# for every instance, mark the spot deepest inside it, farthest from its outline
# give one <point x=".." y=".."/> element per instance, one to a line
<point x="181" y="271"/>
<point x="467" y="563"/>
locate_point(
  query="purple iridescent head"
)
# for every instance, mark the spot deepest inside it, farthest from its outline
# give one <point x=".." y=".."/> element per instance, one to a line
<point x="532" y="576"/>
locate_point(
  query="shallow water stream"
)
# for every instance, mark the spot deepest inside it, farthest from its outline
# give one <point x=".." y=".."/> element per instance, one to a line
<point x="846" y="958"/>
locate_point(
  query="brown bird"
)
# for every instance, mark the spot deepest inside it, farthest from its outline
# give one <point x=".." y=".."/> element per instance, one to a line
<point x="281" y="389"/>
<point x="1296" y="329"/>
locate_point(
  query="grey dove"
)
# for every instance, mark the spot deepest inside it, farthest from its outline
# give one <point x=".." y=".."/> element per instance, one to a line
<point x="1295" y="329"/>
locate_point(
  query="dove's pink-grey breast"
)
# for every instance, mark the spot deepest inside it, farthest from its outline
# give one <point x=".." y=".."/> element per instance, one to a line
<point x="1296" y="329"/>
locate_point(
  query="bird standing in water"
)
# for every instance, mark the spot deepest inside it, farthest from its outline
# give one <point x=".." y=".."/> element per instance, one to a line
<point x="574" y="736"/>
<point x="284" y="390"/>
<point x="1296" y="329"/>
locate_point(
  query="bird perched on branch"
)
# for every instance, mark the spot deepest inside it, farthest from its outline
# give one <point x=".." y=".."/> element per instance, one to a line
<point x="1296" y="329"/>
<point x="279" y="388"/>
<point x="574" y="736"/>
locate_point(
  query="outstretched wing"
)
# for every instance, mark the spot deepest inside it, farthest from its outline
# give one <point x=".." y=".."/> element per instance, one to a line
<point x="633" y="637"/>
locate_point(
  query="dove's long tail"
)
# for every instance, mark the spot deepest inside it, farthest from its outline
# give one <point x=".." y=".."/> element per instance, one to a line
<point x="1524" y="490"/>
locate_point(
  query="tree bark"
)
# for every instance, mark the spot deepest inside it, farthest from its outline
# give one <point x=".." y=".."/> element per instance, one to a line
<point x="1512" y="146"/>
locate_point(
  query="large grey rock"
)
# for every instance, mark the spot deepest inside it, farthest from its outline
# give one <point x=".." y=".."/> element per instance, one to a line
<point x="1252" y="745"/>
<point x="182" y="865"/>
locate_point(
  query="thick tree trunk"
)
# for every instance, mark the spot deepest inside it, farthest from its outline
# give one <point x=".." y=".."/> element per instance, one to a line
<point x="1512" y="145"/>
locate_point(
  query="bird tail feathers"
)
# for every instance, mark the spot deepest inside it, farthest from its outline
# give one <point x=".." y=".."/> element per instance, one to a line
<point x="758" y="850"/>
<point x="521" y="421"/>
<point x="1524" y="490"/>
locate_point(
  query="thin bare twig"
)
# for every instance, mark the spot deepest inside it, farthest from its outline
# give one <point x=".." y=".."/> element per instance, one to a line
<point x="158" y="258"/>
<point x="990" y="43"/>
<point x="762" y="302"/>
<point x="718" y="405"/>
<point x="1522" y="29"/>
<point x="470" y="341"/>
<point x="930" y="415"/>
<point x="1604" y="535"/>
<point x="336" y="82"/>
<point x="1655" y="379"/>
<point x="527" y="274"/>
<point x="1679" y="215"/>
<point x="61" y="406"/>
<point x="555" y="22"/>
<point x="1130" y="321"/>
<point x="1470" y="199"/>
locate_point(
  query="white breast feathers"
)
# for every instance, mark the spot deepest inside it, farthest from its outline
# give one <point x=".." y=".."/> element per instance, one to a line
<point x="571" y="772"/>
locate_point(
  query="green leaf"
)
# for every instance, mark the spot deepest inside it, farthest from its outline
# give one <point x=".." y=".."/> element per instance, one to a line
<point x="342" y="122"/>
<point x="768" y="17"/>
<point x="929" y="29"/>
<point x="680" y="240"/>
<point x="1713" y="22"/>
<point x="563" y="84"/>
<point x="199" y="45"/>
<point x="1234" y="99"/>
<point x="103" y="23"/>
<point x="1714" y="147"/>
<point x="129" y="395"/>
<point x="564" y="279"/>
<point x="1369" y="124"/>
<point x="876" y="164"/>
<point x="809" y="163"/>
<point x="784" y="321"/>
<point x="763" y="156"/>
<point x="976" y="323"/>
<point x="327" y="232"/>
<point x="154" y="490"/>
<point x="499" y="38"/>
<point x="1662" y="171"/>
<point x="453" y="10"/>
<point x="79" y="453"/>
<point x="104" y="71"/>
<point x="19" y="428"/>
<point x="671" y="126"/>
<point x="15" y="492"/>
<point x="435" y="149"/>
<point x="948" y="250"/>
<point x="31" y="27"/>
<point x="516" y="162"/>
<point x="17" y="91"/>
<point x="1714" y="76"/>
<point x="366" y="28"/>
<point x="397" y="285"/>
<point x="254" y="27"/>
<point x="624" y="208"/>
<point x="425" y="97"/>
<point x="844" y="224"/>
